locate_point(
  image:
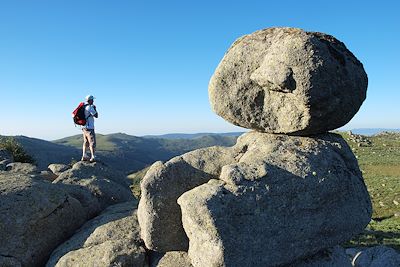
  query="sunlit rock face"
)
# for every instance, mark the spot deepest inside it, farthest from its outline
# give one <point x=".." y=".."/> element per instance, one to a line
<point x="286" y="80"/>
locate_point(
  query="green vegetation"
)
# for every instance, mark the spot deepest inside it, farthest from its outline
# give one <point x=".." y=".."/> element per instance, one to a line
<point x="136" y="178"/>
<point x="379" y="162"/>
<point x="16" y="150"/>
<point x="386" y="232"/>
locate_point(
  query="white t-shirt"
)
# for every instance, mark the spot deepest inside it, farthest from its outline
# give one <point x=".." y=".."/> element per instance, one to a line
<point x="89" y="113"/>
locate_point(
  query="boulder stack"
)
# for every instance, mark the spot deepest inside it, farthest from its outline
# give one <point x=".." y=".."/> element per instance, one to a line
<point x="285" y="191"/>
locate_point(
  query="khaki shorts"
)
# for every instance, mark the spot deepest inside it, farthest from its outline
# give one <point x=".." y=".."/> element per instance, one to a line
<point x="89" y="137"/>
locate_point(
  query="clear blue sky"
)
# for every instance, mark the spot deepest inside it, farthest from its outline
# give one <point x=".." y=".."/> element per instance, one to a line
<point x="149" y="62"/>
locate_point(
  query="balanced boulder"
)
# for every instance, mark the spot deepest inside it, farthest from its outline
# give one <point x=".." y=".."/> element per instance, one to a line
<point x="277" y="197"/>
<point x="287" y="198"/>
<point x="286" y="80"/>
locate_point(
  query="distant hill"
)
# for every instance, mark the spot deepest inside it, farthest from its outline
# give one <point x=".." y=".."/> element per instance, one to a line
<point x="372" y="131"/>
<point x="191" y="136"/>
<point x="121" y="151"/>
<point x="131" y="153"/>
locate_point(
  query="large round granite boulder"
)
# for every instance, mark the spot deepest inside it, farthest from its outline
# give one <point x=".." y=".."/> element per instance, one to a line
<point x="286" y="80"/>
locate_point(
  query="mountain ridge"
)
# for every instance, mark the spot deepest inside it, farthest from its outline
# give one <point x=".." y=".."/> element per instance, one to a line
<point x="121" y="151"/>
<point x="126" y="152"/>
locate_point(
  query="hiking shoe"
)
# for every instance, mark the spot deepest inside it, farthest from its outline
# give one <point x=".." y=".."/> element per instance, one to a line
<point x="93" y="159"/>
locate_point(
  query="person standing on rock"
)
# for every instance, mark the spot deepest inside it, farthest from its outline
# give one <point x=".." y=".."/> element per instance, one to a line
<point x="89" y="136"/>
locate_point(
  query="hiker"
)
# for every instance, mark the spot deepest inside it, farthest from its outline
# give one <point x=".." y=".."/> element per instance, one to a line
<point x="89" y="136"/>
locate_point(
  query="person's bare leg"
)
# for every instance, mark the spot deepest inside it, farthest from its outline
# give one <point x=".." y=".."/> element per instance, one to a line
<point x="84" y="152"/>
<point x="92" y="150"/>
<point x="84" y="148"/>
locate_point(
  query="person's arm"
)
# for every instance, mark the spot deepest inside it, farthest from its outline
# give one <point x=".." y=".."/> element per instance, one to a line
<point x="97" y="114"/>
<point x="94" y="112"/>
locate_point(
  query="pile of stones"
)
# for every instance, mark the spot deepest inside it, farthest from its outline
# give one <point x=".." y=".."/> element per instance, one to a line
<point x="360" y="140"/>
<point x="288" y="189"/>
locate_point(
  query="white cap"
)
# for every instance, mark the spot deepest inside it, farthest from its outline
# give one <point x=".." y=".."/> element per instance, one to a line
<point x="89" y="97"/>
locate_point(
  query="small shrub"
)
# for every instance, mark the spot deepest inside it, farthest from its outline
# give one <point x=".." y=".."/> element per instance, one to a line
<point x="18" y="152"/>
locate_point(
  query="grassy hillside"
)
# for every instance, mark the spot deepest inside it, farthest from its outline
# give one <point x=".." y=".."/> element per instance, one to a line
<point x="380" y="164"/>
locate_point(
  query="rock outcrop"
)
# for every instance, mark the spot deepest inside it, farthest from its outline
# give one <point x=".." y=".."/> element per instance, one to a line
<point x="107" y="187"/>
<point x="35" y="217"/>
<point x="296" y="192"/>
<point x="19" y="167"/>
<point x="111" y="239"/>
<point x="48" y="175"/>
<point x="307" y="169"/>
<point x="272" y="199"/>
<point x="286" y="80"/>
<point x="57" y="169"/>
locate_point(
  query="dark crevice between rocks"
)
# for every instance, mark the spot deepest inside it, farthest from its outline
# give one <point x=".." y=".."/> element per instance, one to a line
<point x="257" y="107"/>
<point x="290" y="83"/>
<point x="259" y="99"/>
<point x="241" y="153"/>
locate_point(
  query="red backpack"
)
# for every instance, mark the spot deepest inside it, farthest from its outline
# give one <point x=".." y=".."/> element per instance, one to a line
<point x="79" y="114"/>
